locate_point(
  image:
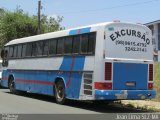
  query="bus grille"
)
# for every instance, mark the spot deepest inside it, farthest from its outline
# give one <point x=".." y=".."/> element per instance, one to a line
<point x="87" y="85"/>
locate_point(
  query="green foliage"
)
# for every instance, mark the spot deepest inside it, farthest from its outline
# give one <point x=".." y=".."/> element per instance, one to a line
<point x="19" y="24"/>
<point x="157" y="79"/>
<point x="50" y="24"/>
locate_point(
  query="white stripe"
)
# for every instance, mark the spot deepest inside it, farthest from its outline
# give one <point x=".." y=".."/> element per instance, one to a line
<point x="36" y="64"/>
<point x="89" y="63"/>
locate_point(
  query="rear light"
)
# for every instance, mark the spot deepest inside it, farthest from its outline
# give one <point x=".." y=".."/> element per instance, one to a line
<point x="103" y="85"/>
<point x="108" y="71"/>
<point x="150" y="86"/>
<point x="150" y="72"/>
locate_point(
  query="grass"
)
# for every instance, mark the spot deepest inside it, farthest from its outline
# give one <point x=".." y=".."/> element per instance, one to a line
<point x="157" y="79"/>
<point x="136" y="105"/>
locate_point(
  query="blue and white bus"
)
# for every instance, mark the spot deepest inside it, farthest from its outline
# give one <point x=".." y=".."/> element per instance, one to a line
<point x="106" y="61"/>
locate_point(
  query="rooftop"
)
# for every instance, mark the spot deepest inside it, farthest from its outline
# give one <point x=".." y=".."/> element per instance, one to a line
<point x="151" y="23"/>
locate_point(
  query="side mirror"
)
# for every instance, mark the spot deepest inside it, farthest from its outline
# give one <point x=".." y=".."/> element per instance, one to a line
<point x="2" y="54"/>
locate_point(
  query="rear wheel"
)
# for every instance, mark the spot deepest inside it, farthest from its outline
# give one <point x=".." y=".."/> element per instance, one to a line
<point x="11" y="85"/>
<point x="60" y="92"/>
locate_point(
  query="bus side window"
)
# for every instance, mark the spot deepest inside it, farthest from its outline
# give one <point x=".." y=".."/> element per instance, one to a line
<point x="45" y="48"/>
<point x="91" y="43"/>
<point x="68" y="45"/>
<point x="15" y="51"/>
<point x="29" y="50"/>
<point x="76" y="44"/>
<point x="19" y="54"/>
<point x="39" y="46"/>
<point x="24" y="50"/>
<point x="10" y="51"/>
<point x="52" y="46"/>
<point x="60" y="45"/>
<point x="34" y="49"/>
<point x="6" y="51"/>
<point x="84" y="43"/>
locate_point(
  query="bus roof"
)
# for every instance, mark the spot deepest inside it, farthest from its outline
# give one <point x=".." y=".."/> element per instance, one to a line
<point x="58" y="33"/>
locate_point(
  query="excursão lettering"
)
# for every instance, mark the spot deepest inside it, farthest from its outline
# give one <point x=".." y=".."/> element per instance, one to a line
<point x="129" y="32"/>
<point x="130" y="45"/>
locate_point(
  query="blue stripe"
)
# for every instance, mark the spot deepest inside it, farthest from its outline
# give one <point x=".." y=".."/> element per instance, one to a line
<point x="80" y="31"/>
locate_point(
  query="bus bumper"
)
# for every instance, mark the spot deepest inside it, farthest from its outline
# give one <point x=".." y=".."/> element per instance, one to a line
<point x="124" y="94"/>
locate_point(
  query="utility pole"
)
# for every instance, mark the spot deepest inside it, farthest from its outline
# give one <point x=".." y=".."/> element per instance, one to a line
<point x="39" y="17"/>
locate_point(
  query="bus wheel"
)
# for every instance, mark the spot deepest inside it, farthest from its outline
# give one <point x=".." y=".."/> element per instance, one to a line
<point x="12" y="85"/>
<point x="60" y="92"/>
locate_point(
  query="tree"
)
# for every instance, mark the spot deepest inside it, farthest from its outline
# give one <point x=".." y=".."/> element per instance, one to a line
<point x="50" y="24"/>
<point x="19" y="24"/>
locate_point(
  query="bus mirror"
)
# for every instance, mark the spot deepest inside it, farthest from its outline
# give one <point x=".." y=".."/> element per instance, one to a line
<point x="2" y="54"/>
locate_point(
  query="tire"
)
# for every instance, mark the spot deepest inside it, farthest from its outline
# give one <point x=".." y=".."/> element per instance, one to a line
<point x="60" y="92"/>
<point x="11" y="85"/>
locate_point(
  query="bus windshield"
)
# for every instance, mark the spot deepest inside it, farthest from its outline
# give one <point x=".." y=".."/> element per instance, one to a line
<point x="128" y="41"/>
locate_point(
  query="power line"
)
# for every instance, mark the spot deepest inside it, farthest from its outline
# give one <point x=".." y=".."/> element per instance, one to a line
<point x="113" y="7"/>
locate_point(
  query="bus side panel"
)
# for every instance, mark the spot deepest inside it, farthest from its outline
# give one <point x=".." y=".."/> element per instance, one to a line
<point x="73" y="77"/>
<point x="43" y="81"/>
<point x="40" y="83"/>
<point x="18" y="76"/>
<point x="71" y="71"/>
<point x="130" y="73"/>
<point x="35" y="81"/>
<point x="4" y="81"/>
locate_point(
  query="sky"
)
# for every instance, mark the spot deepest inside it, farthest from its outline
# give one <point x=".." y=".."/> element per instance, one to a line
<point x="84" y="12"/>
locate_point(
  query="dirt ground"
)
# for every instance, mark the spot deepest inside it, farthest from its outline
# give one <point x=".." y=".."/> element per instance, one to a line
<point x="142" y="104"/>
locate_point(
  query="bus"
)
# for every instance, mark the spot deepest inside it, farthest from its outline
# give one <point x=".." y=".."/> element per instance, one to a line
<point x="101" y="62"/>
<point x="0" y="71"/>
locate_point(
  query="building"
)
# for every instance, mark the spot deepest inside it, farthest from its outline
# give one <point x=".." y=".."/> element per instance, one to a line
<point x="155" y="28"/>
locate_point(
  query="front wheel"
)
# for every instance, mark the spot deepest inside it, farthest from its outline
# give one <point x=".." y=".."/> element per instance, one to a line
<point x="60" y="92"/>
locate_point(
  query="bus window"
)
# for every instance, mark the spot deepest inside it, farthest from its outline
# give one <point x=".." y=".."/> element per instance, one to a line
<point x="39" y="48"/>
<point x="19" y="54"/>
<point x="52" y="47"/>
<point x="15" y="51"/>
<point x="6" y="51"/>
<point x="68" y="45"/>
<point x="45" y="47"/>
<point x="84" y="43"/>
<point x="60" y="46"/>
<point x="34" y="49"/>
<point x="76" y="44"/>
<point x="29" y="50"/>
<point x="11" y="51"/>
<point x="91" y="42"/>
<point x="24" y="50"/>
